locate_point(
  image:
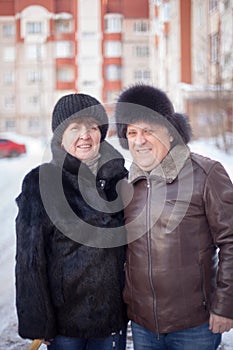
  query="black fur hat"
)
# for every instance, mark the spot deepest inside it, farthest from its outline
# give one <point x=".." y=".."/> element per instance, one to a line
<point x="74" y="106"/>
<point x="147" y="103"/>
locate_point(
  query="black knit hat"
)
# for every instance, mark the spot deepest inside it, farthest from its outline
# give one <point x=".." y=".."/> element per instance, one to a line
<point x="74" y="106"/>
<point x="146" y="103"/>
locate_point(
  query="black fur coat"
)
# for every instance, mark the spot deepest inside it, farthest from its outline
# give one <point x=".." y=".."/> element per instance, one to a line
<point x="67" y="281"/>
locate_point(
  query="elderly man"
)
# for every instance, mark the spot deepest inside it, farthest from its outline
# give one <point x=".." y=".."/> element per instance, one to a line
<point x="179" y="292"/>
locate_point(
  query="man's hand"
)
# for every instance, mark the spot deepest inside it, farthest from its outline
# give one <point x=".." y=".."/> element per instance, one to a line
<point x="219" y="324"/>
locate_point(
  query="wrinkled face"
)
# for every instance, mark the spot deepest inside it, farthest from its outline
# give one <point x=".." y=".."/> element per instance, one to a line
<point x="81" y="139"/>
<point x="148" y="143"/>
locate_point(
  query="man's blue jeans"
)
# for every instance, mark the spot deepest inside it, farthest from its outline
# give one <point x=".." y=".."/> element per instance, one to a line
<point x="116" y="341"/>
<point x="197" y="338"/>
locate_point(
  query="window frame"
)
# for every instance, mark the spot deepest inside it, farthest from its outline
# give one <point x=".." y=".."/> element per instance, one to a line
<point x="8" y="30"/>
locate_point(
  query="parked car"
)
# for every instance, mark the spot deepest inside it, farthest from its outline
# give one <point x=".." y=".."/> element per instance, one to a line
<point x="9" y="148"/>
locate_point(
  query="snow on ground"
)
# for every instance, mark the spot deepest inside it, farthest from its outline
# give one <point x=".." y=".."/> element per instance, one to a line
<point x="12" y="172"/>
<point x="208" y="149"/>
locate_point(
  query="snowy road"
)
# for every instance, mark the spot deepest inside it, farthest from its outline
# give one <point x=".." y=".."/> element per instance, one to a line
<point x="12" y="172"/>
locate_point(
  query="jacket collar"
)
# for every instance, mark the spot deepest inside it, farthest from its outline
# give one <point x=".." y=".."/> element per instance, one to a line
<point x="167" y="170"/>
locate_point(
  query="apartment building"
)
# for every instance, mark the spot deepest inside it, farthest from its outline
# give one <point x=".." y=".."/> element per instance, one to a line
<point x="194" y="61"/>
<point x="38" y="53"/>
<point x="49" y="48"/>
<point x="54" y="47"/>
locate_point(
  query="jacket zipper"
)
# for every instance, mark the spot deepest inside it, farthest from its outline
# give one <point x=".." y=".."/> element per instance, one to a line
<point x="150" y="256"/>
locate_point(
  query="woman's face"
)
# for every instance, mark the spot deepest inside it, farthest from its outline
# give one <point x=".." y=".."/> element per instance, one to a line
<point x="81" y="139"/>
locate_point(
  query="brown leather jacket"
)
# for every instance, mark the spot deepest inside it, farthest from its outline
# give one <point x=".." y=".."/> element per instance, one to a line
<point x="180" y="217"/>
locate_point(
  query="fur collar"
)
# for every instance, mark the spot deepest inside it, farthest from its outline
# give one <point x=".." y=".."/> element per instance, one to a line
<point x="110" y="163"/>
<point x="167" y="170"/>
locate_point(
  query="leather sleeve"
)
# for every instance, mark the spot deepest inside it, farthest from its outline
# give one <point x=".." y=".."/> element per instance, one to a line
<point x="218" y="197"/>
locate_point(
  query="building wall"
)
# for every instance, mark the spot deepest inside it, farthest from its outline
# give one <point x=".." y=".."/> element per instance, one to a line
<point x="89" y="55"/>
<point x="226" y="47"/>
<point x="200" y="47"/>
<point x="102" y="46"/>
<point x="38" y="61"/>
<point x="210" y="97"/>
<point x="35" y="72"/>
<point x="193" y="55"/>
<point x="126" y="48"/>
<point x="136" y="52"/>
<point x="8" y="76"/>
<point x="60" y="47"/>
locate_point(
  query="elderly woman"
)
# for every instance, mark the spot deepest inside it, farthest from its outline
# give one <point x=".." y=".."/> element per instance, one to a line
<point x="69" y="262"/>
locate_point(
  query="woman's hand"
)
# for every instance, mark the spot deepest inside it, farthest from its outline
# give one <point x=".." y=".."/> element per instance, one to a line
<point x="37" y="343"/>
<point x="46" y="342"/>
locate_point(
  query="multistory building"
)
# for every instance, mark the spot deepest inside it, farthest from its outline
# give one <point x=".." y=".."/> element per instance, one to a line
<point x="53" y="47"/>
<point x="38" y="61"/>
<point x="49" y="48"/>
<point x="193" y="60"/>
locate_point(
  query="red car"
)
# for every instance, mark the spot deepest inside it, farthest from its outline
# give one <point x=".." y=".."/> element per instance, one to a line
<point x="10" y="148"/>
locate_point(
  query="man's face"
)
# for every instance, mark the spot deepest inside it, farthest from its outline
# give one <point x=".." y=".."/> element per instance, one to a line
<point x="82" y="140"/>
<point x="148" y="143"/>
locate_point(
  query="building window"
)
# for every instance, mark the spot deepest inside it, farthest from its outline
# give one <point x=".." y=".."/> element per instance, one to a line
<point x="112" y="49"/>
<point x="138" y="75"/>
<point x="9" y="54"/>
<point x="34" y="100"/>
<point x="9" y="77"/>
<point x="34" y="27"/>
<point x="10" y="124"/>
<point x="142" y="74"/>
<point x="227" y="58"/>
<point x="227" y="4"/>
<point x="33" y="124"/>
<point x="88" y="35"/>
<point x="141" y="51"/>
<point x="63" y="26"/>
<point x="166" y="12"/>
<point x="113" y="23"/>
<point x="141" y="27"/>
<point x="8" y="30"/>
<point x="9" y="102"/>
<point x="213" y="5"/>
<point x="113" y="72"/>
<point x="88" y="83"/>
<point x="214" y="47"/>
<point x="35" y="52"/>
<point x="64" y="49"/>
<point x="157" y="2"/>
<point x="65" y="74"/>
<point x="199" y="62"/>
<point x="34" y="76"/>
<point x="201" y="18"/>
